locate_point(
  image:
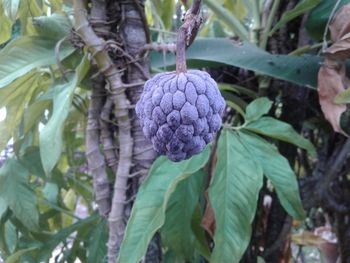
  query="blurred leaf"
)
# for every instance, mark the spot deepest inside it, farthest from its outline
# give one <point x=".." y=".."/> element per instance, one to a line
<point x="257" y="108"/>
<point x="233" y="193"/>
<point x="201" y="242"/>
<point x="237" y="8"/>
<point x="5" y="26"/>
<point x="148" y="212"/>
<point x="301" y="8"/>
<point x="50" y="192"/>
<point x="55" y="26"/>
<point x="51" y="135"/>
<point x="277" y="169"/>
<point x="343" y="97"/>
<point x="11" y="8"/>
<point x="70" y="201"/>
<point x="45" y="252"/>
<point x="30" y="159"/>
<point x="3" y="206"/>
<point x="15" y="258"/>
<point x="238" y="89"/>
<point x="307" y="238"/>
<point x="228" y="18"/>
<point x="213" y="52"/>
<point x="15" y="97"/>
<point x="15" y="190"/>
<point x="319" y="17"/>
<point x="176" y="233"/>
<point x="10" y="236"/>
<point x="97" y="244"/>
<point x="34" y="113"/>
<point x="280" y="130"/>
<point x="26" y="53"/>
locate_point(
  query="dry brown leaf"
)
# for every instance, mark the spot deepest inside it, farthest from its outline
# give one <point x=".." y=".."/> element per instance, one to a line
<point x="307" y="238"/>
<point x="208" y="220"/>
<point x="331" y="81"/>
<point x="340" y="24"/>
<point x="340" y="49"/>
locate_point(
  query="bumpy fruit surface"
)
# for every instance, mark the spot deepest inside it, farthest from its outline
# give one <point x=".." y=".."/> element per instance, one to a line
<point x="180" y="113"/>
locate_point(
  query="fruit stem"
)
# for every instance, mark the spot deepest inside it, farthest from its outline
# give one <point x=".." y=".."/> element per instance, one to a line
<point x="186" y="34"/>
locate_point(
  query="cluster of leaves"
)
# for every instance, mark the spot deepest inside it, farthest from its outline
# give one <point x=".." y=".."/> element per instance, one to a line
<point x="44" y="87"/>
<point x="45" y="179"/>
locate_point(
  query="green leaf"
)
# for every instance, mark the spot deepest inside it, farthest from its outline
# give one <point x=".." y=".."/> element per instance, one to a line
<point x="15" y="97"/>
<point x="51" y="135"/>
<point x="15" y="190"/>
<point x="343" y="97"/>
<point x="228" y="18"/>
<point x="11" y="8"/>
<point x="148" y="213"/>
<point x="201" y="242"/>
<point x="213" y="52"/>
<point x="301" y="8"/>
<point x="97" y="244"/>
<point x="45" y="252"/>
<point x="55" y="26"/>
<point x="280" y="130"/>
<point x="15" y="258"/>
<point x="257" y="108"/>
<point x="10" y="236"/>
<point x="176" y="232"/>
<point x="50" y="192"/>
<point x="318" y="18"/>
<point x="233" y="193"/>
<point x="5" y="27"/>
<point x="277" y="169"/>
<point x="3" y="206"/>
<point x="26" y="53"/>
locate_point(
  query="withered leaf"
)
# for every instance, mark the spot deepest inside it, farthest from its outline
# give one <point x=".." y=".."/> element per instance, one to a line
<point x="340" y="24"/>
<point x="331" y="81"/>
<point x="340" y="49"/>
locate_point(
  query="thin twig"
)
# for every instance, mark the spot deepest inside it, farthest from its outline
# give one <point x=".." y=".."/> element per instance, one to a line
<point x="186" y="34"/>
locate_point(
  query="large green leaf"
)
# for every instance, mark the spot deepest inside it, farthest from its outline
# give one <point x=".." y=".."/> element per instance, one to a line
<point x="302" y="7"/>
<point x="177" y="232"/>
<point x="148" y="213"/>
<point x="319" y="17"/>
<point x="26" y="53"/>
<point x="212" y="52"/>
<point x="19" y="197"/>
<point x="51" y="135"/>
<point x="233" y="193"/>
<point x="276" y="129"/>
<point x="257" y="108"/>
<point x="277" y="169"/>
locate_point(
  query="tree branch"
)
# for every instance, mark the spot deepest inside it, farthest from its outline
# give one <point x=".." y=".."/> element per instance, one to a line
<point x="96" y="47"/>
<point x="186" y="34"/>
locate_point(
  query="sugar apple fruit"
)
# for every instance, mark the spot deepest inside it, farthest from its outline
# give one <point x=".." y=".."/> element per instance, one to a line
<point x="180" y="113"/>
